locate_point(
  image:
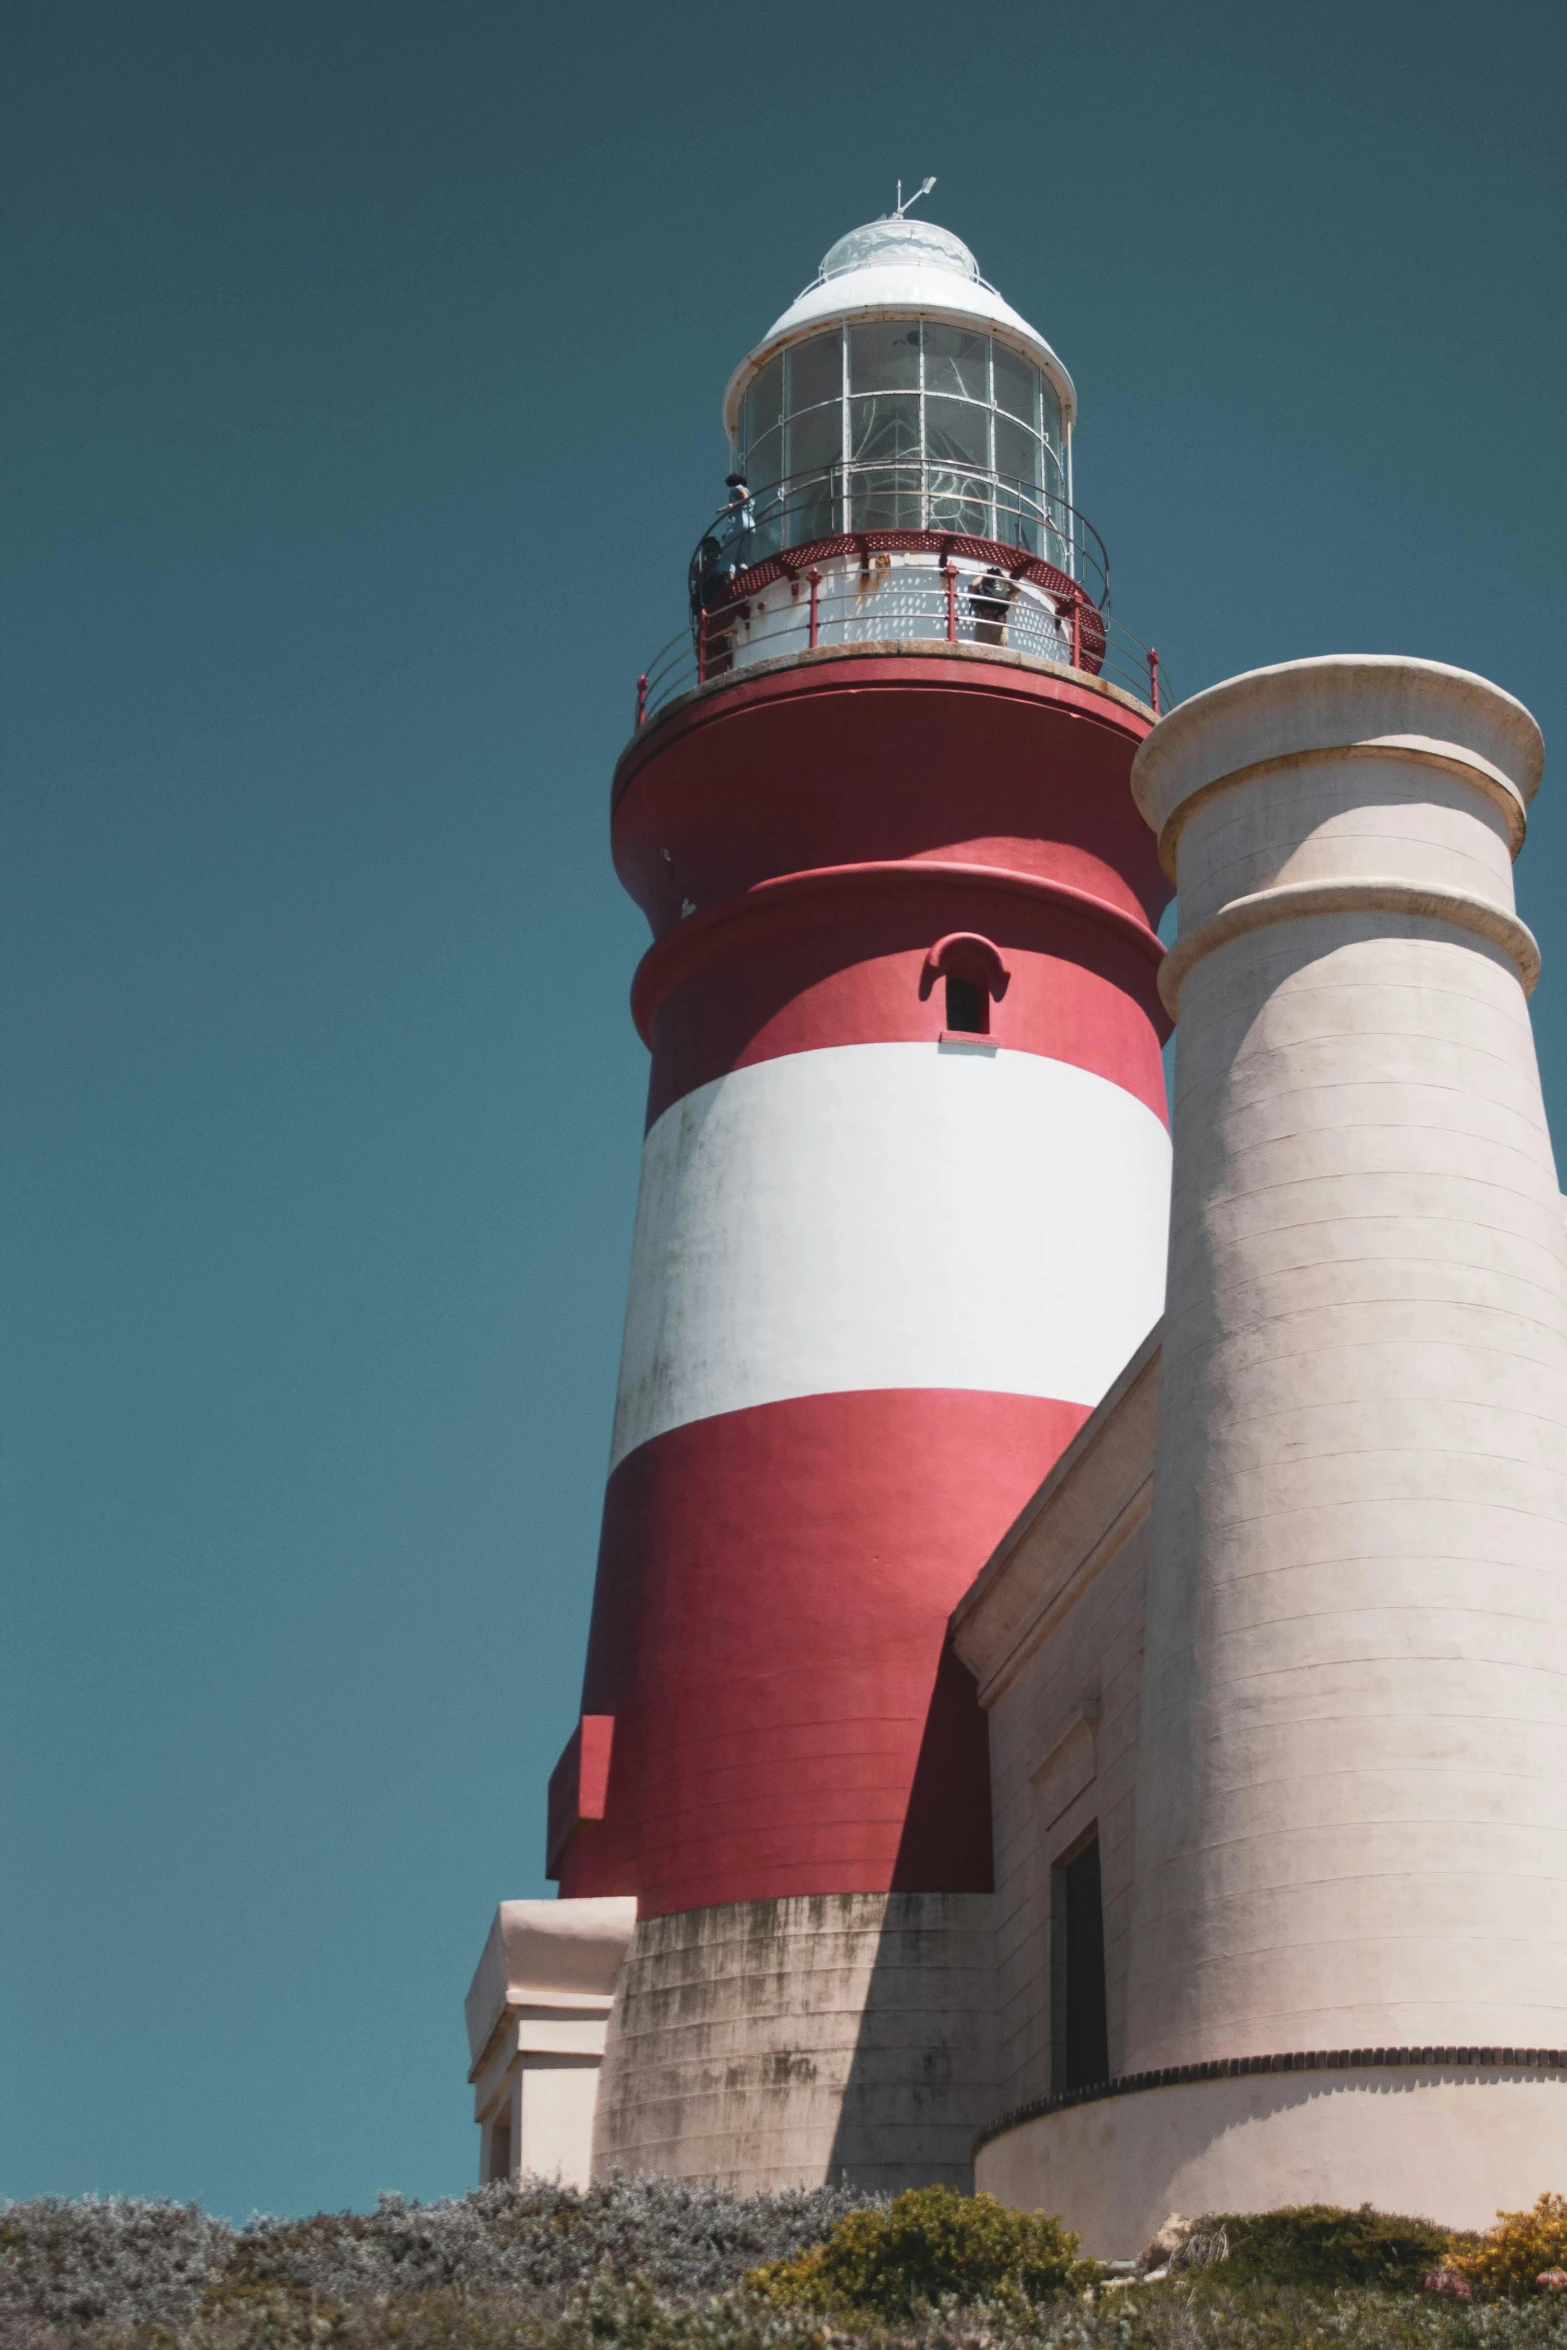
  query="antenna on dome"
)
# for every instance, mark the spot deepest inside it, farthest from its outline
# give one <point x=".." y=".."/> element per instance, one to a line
<point x="923" y="189"/>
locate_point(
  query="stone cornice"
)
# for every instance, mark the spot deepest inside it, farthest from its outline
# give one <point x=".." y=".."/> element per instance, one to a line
<point x="1549" y="2061"/>
<point x="1360" y="893"/>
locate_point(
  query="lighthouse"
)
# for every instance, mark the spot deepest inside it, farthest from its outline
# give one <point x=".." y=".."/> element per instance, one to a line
<point x="902" y="1220"/>
<point x="1033" y="1731"/>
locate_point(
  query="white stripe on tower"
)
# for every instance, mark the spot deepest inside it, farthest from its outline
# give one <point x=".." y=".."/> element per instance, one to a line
<point x="891" y="1216"/>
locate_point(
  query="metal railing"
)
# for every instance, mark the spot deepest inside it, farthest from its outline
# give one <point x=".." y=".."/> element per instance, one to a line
<point x="945" y="603"/>
<point x="920" y="494"/>
<point x="847" y="587"/>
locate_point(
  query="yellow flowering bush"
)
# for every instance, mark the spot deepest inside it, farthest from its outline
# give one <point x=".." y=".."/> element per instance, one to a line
<point x="931" y="2244"/>
<point x="1509" y="2258"/>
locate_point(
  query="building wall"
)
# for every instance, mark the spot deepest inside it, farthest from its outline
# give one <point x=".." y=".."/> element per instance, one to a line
<point x="1063" y="1759"/>
<point x="1053" y="1631"/>
<point x="1350" y="1898"/>
<point x="1350" y="1814"/>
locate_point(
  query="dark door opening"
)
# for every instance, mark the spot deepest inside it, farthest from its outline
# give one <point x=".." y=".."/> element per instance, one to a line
<point x="968" y="1007"/>
<point x="1081" y="2049"/>
<point x="498" y="2160"/>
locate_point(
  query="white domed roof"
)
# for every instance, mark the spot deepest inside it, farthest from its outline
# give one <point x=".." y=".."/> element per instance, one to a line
<point x="895" y="240"/>
<point x="900" y="268"/>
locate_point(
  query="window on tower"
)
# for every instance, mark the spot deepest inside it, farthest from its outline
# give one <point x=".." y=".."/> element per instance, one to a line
<point x="968" y="1007"/>
<point x="971" y="976"/>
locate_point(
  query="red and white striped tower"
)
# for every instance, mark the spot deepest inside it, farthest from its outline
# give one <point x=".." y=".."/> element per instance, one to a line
<point x="902" y="1219"/>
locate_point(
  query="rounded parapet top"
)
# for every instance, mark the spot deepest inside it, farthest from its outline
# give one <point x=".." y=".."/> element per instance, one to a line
<point x="1365" y="702"/>
<point x="1344" y="786"/>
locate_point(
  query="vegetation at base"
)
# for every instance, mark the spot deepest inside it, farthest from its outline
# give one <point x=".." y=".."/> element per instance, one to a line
<point x="1511" y="2257"/>
<point x="118" y="2263"/>
<point x="930" y="2245"/>
<point x="1318" y="2246"/>
<point x="649" y="2264"/>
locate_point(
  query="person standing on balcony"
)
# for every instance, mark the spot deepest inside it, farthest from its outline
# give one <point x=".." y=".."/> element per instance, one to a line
<point x="988" y="598"/>
<point x="742" y="519"/>
<point x="725" y="549"/>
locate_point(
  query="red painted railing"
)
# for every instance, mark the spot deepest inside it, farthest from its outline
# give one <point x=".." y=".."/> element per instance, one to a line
<point x="850" y="589"/>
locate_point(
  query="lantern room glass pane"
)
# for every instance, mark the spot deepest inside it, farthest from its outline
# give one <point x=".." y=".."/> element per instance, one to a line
<point x="884" y="428"/>
<point x="1019" y="486"/>
<point x="958" y="501"/>
<point x="1054" y="453"/>
<point x="887" y="481"/>
<point x="764" y="402"/>
<point x="812" y="512"/>
<point x="1017" y="454"/>
<point x="766" y="461"/>
<point x="887" y="497"/>
<point x="885" y="356"/>
<point x="1017" y="385"/>
<point x="957" y="432"/>
<point x="957" y="363"/>
<point x="816" y="370"/>
<point x="815" y="441"/>
<point x="957" y="454"/>
<point x="771" y="531"/>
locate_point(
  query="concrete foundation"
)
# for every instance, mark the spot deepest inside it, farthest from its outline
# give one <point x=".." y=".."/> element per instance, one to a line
<point x="834" y="2037"/>
<point x="1449" y="2143"/>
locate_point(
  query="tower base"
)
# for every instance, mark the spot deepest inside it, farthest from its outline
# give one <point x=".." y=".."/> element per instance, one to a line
<point x="1451" y="2142"/>
<point x="841" y="2038"/>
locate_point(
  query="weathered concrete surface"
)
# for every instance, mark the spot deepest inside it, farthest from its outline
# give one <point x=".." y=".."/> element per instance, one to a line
<point x="1452" y="2145"/>
<point x="1052" y="1631"/>
<point x="537" y="2011"/>
<point x="779" y="2043"/>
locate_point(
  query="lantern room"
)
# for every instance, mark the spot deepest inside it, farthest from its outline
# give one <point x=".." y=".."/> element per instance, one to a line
<point x="901" y="392"/>
<point x="902" y="441"/>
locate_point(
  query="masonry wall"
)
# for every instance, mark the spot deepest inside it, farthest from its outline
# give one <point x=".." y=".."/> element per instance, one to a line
<point x="1354" y="1742"/>
<point x="1351" y="1850"/>
<point x="834" y="2039"/>
<point x="1053" y="1632"/>
<point x="1063" y="1757"/>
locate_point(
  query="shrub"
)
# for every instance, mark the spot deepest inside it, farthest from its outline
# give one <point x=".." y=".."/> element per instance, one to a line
<point x="1510" y="2258"/>
<point x="122" y="2263"/>
<point x="1319" y="2246"/>
<point x="929" y="2245"/>
<point x="539" y="2238"/>
<point x="106" y="2260"/>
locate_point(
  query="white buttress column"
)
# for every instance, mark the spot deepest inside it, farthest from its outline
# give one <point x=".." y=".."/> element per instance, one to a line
<point x="1352" y="1789"/>
<point x="537" y="2013"/>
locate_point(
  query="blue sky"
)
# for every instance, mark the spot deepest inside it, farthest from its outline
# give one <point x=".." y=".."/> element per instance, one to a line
<point x="361" y="386"/>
